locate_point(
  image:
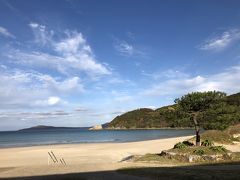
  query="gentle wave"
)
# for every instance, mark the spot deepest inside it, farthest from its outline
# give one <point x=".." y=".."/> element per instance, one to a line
<point x="35" y="138"/>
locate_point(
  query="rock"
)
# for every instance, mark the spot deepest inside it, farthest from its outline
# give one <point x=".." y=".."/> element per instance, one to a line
<point x="167" y="153"/>
<point x="127" y="159"/>
<point x="193" y="158"/>
<point x="97" y="127"/>
<point x="236" y="135"/>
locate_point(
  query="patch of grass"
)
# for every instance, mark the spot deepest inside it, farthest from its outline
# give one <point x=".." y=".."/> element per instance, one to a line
<point x="216" y="136"/>
<point x="212" y="150"/>
<point x="180" y="145"/>
<point x="199" y="152"/>
<point x="207" y="142"/>
<point x="233" y="129"/>
<point x="218" y="149"/>
<point x="156" y="158"/>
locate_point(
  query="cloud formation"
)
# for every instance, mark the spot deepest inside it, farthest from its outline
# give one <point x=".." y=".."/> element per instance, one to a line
<point x="31" y="89"/>
<point x="24" y="116"/>
<point x="127" y="49"/>
<point x="70" y="55"/>
<point x="4" y="32"/>
<point x="221" y="42"/>
<point x="225" y="81"/>
<point x="124" y="48"/>
<point x="42" y="36"/>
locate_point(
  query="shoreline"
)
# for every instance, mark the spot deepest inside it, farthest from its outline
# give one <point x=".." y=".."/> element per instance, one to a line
<point x="80" y="143"/>
<point x="88" y="129"/>
<point x="30" y="161"/>
<point x="162" y="128"/>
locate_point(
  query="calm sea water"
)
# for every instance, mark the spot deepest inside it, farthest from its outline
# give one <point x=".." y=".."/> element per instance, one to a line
<point x="67" y="136"/>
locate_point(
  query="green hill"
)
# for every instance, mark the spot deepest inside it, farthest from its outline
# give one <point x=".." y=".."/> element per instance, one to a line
<point x="219" y="116"/>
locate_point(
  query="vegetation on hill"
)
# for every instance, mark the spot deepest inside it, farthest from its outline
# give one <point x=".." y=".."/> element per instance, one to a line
<point x="219" y="115"/>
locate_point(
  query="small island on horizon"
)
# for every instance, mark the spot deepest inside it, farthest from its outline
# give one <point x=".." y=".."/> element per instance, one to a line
<point x="45" y="127"/>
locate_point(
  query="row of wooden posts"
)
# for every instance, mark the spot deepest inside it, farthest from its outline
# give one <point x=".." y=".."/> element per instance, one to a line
<point x="54" y="159"/>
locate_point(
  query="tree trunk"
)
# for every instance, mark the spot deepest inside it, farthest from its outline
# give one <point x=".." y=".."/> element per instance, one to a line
<point x="197" y="129"/>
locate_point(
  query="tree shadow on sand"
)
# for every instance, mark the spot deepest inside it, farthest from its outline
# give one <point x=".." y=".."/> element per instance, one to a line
<point x="225" y="171"/>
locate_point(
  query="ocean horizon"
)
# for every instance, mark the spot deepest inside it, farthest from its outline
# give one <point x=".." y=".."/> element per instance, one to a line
<point x="79" y="135"/>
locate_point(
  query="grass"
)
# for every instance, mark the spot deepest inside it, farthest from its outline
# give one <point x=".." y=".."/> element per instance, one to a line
<point x="208" y="150"/>
<point x="222" y="137"/>
<point x="233" y="129"/>
<point x="180" y="156"/>
<point x="157" y="158"/>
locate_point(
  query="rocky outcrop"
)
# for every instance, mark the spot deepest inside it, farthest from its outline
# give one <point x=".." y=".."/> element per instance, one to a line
<point x="196" y="158"/>
<point x="97" y="127"/>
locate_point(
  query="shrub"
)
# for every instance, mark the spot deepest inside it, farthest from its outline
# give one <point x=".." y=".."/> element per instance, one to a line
<point x="180" y="145"/>
<point x="219" y="149"/>
<point x="207" y="142"/>
<point x="187" y="143"/>
<point x="199" y="152"/>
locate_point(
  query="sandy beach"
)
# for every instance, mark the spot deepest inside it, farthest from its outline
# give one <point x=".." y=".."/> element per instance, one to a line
<point x="33" y="161"/>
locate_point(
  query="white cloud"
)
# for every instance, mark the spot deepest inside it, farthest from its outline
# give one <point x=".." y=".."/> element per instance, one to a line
<point x="33" y="115"/>
<point x="72" y="44"/>
<point x="127" y="49"/>
<point x="51" y="101"/>
<point x="69" y="85"/>
<point x="71" y="54"/>
<point x="34" y="25"/>
<point x="77" y="52"/>
<point x="227" y="81"/>
<point x="124" y="48"/>
<point x="169" y="74"/>
<point x="21" y="89"/>
<point x="42" y="36"/>
<point x="5" y="32"/>
<point x="221" y="42"/>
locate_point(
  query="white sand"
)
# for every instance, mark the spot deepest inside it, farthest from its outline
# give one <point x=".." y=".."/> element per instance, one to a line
<point x="29" y="161"/>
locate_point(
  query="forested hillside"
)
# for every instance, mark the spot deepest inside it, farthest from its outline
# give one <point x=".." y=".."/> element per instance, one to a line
<point x="219" y="116"/>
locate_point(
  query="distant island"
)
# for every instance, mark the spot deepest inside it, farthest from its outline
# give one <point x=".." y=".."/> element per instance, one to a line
<point x="43" y="127"/>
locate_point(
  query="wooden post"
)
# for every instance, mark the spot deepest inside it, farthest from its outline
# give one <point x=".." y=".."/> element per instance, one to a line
<point x="64" y="162"/>
<point x="61" y="161"/>
<point x="51" y="157"/>
<point x="54" y="156"/>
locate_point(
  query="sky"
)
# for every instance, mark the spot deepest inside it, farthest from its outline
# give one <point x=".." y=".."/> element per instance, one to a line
<point x="83" y="62"/>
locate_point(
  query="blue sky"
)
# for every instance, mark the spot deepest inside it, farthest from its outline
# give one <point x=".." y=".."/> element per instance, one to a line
<point x="81" y="63"/>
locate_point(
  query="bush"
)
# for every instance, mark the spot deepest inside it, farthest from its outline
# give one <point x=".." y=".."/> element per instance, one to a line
<point x="199" y="152"/>
<point x="187" y="143"/>
<point x="219" y="149"/>
<point x="180" y="145"/>
<point x="207" y="142"/>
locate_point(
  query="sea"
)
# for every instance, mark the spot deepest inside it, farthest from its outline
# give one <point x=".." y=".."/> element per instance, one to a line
<point x="80" y="135"/>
